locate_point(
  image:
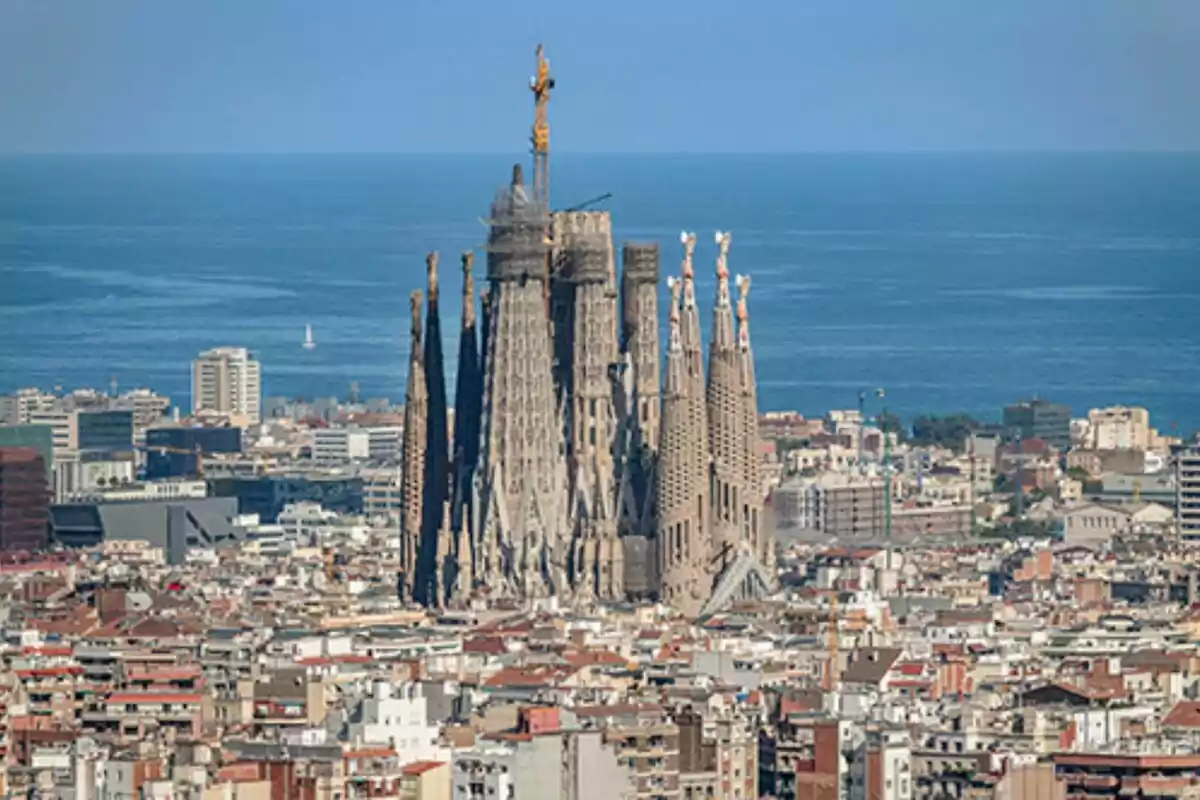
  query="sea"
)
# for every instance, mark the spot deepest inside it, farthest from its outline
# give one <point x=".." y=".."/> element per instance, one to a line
<point x="955" y="282"/>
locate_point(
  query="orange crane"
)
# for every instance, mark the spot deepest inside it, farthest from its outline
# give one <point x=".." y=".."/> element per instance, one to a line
<point x="540" y="85"/>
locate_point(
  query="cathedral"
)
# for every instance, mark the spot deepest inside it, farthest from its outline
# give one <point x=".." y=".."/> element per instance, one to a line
<point x="581" y="465"/>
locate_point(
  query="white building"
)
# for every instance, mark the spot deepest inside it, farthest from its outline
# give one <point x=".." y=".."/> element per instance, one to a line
<point x="16" y="408"/>
<point x="227" y="381"/>
<point x="302" y="522"/>
<point x="1119" y="428"/>
<point x="340" y="445"/>
<point x="397" y="715"/>
<point x="352" y="443"/>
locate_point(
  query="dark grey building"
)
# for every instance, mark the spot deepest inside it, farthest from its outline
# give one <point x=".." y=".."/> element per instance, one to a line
<point x="171" y="451"/>
<point x="1040" y="419"/>
<point x="104" y="433"/>
<point x="174" y="525"/>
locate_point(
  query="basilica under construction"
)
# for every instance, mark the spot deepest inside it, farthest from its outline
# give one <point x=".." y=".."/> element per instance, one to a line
<point x="581" y="466"/>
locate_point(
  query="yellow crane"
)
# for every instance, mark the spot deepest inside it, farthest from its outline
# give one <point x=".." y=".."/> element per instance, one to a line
<point x="540" y="85"/>
<point x="197" y="452"/>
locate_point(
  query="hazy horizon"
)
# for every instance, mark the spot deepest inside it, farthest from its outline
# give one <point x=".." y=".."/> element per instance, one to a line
<point x="700" y="77"/>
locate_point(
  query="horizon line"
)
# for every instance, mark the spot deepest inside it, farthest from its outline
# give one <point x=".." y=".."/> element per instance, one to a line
<point x="622" y="153"/>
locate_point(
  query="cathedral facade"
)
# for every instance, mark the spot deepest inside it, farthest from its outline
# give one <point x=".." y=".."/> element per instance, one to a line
<point x="582" y="465"/>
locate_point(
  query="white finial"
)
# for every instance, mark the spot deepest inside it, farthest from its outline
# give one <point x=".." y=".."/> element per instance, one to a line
<point x="683" y="237"/>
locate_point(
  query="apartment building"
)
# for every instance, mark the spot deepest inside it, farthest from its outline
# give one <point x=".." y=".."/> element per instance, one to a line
<point x="226" y="381"/>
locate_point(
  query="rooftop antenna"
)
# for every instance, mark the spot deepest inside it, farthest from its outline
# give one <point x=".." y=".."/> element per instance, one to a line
<point x="112" y="386"/>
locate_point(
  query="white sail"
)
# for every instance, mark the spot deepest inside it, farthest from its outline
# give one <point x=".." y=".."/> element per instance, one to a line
<point x="309" y="344"/>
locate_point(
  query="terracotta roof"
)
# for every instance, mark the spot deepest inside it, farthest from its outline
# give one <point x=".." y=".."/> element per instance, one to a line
<point x="1185" y="714"/>
<point x="421" y="767"/>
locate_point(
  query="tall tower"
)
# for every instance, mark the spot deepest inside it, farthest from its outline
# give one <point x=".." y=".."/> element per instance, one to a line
<point x="638" y="391"/>
<point x="681" y="493"/>
<point x="468" y="406"/>
<point x="639" y="335"/>
<point x="412" y="479"/>
<point x="426" y="586"/>
<point x="754" y="529"/>
<point x="726" y="419"/>
<point x="584" y="257"/>
<point x="523" y="531"/>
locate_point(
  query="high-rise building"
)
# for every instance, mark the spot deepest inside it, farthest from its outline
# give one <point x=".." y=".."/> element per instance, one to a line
<point x="24" y="499"/>
<point x="1187" y="490"/>
<point x="226" y="382"/>
<point x="1040" y="419"/>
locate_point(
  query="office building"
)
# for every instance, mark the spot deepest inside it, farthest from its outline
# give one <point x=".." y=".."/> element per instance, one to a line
<point x="226" y="382"/>
<point x="176" y="525"/>
<point x="39" y="437"/>
<point x="24" y="499"/>
<point x="171" y="452"/>
<point x="1040" y="419"/>
<point x="87" y="434"/>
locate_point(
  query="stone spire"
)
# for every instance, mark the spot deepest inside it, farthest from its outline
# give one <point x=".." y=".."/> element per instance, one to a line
<point x="428" y="582"/>
<point x="681" y="493"/>
<point x="413" y="470"/>
<point x="468" y="407"/>
<point x="726" y="419"/>
<point x="523" y="530"/>
<point x="759" y="537"/>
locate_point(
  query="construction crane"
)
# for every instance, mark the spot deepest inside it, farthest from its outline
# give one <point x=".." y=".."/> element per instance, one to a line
<point x="197" y="452"/>
<point x="586" y="203"/>
<point x="540" y="85"/>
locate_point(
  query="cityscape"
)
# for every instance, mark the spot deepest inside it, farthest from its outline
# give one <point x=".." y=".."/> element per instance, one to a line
<point x="575" y="555"/>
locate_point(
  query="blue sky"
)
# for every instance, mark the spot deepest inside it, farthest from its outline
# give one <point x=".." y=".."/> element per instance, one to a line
<point x="649" y="76"/>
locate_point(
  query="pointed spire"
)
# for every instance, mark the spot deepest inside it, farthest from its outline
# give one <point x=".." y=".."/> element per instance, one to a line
<point x="722" y="330"/>
<point x="468" y="292"/>
<point x="674" y="377"/>
<point x="686" y="270"/>
<point x="468" y="408"/>
<point x="743" y="315"/>
<point x="436" y="472"/>
<point x="412" y="479"/>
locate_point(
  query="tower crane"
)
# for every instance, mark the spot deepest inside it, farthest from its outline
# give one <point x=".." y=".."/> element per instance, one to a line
<point x="197" y="452"/>
<point x="540" y="85"/>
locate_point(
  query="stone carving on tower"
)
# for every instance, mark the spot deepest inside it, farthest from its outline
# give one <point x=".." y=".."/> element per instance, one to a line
<point x="523" y="533"/>
<point x="413" y="453"/>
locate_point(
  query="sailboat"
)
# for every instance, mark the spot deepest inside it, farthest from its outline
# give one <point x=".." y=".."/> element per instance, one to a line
<point x="309" y="344"/>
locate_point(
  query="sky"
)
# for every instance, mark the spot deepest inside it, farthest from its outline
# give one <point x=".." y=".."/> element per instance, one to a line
<point x="654" y="76"/>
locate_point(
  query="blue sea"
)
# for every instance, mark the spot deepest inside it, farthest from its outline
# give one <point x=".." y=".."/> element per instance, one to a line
<point x="956" y="282"/>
